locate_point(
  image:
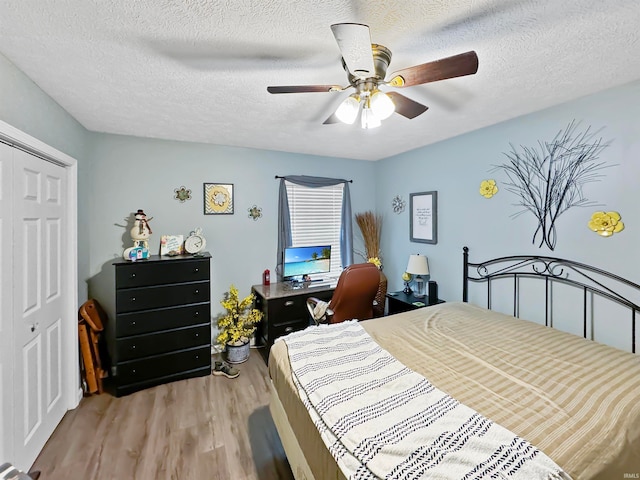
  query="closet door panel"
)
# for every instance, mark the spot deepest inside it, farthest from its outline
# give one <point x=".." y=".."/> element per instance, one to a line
<point x="38" y="223"/>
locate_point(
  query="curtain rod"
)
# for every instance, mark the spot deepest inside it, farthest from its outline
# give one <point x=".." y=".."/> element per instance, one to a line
<point x="278" y="176"/>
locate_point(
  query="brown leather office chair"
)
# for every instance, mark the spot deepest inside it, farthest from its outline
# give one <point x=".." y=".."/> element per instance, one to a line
<point x="353" y="297"/>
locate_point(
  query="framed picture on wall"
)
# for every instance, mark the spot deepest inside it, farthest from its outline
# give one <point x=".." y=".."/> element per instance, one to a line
<point x="218" y="199"/>
<point x="424" y="217"/>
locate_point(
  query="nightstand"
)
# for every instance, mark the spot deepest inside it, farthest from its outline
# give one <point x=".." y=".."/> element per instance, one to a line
<point x="398" y="302"/>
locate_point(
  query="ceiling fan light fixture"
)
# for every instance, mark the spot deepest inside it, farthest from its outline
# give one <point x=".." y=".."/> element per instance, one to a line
<point x="369" y="119"/>
<point x="347" y="111"/>
<point x="382" y="106"/>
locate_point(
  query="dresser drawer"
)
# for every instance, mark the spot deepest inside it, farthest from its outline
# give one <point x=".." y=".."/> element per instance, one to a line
<point x="161" y="365"/>
<point x="141" y="274"/>
<point x="135" y="323"/>
<point x="130" y="348"/>
<point x="133" y="299"/>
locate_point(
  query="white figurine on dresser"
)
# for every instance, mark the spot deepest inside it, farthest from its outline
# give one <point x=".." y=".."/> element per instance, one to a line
<point x="140" y="233"/>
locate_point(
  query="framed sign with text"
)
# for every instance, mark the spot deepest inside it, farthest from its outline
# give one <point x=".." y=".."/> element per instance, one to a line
<point x="424" y="217"/>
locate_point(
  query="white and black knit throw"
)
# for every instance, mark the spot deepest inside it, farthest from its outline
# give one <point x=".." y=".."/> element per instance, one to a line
<point x="379" y="419"/>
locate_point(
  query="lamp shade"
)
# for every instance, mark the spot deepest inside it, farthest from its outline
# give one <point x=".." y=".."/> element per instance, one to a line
<point x="418" y="265"/>
<point x="369" y="119"/>
<point x="348" y="109"/>
<point x="382" y="105"/>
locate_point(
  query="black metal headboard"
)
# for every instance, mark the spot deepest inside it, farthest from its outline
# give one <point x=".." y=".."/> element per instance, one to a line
<point x="592" y="281"/>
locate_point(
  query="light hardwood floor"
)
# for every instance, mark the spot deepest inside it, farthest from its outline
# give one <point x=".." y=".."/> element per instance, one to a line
<point x="204" y="428"/>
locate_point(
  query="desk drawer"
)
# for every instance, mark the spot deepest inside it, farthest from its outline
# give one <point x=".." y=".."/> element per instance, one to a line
<point x="134" y="299"/>
<point x="287" y="307"/>
<point x="161" y="365"/>
<point x="130" y="348"/>
<point x="140" y="274"/>
<point x="284" y="328"/>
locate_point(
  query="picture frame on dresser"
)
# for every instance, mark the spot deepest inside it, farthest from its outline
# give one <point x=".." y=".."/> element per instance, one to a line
<point x="423" y="207"/>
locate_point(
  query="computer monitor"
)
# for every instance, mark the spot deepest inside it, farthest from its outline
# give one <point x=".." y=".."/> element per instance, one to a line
<point x="301" y="261"/>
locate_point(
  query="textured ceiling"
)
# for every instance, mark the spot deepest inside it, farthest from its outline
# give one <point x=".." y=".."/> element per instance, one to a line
<point x="197" y="70"/>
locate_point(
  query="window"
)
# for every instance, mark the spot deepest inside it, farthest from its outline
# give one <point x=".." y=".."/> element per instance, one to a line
<point x="316" y="215"/>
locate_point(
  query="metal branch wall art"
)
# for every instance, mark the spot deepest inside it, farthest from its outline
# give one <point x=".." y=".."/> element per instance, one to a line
<point x="549" y="180"/>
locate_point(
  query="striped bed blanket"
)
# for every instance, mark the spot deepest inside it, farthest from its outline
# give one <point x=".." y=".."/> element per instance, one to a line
<point x="379" y="419"/>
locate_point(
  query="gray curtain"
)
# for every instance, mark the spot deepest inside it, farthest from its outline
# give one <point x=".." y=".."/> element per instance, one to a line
<point x="284" y="217"/>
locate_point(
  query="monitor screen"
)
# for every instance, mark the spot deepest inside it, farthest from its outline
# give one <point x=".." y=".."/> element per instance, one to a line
<point x="299" y="261"/>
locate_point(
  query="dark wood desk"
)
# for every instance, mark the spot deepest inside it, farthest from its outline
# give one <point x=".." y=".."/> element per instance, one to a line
<point x="285" y="309"/>
<point x="398" y="302"/>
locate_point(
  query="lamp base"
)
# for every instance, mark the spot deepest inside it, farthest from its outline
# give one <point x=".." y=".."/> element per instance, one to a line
<point x="407" y="289"/>
<point x="420" y="290"/>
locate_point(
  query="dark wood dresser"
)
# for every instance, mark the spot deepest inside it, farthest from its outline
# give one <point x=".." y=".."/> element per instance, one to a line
<point x="285" y="310"/>
<point x="162" y="326"/>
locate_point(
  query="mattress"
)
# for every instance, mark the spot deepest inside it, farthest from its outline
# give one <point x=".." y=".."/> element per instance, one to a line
<point x="576" y="400"/>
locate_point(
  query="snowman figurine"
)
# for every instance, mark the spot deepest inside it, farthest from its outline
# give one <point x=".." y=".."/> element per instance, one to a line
<point x="140" y="233"/>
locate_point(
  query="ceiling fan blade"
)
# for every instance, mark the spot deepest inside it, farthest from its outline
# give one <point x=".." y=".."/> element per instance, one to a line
<point x="304" y="88"/>
<point x="354" y="42"/>
<point x="405" y="106"/>
<point x="450" y="67"/>
<point x="332" y="119"/>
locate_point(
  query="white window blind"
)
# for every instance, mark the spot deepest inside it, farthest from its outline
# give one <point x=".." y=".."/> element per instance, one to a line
<point x="316" y="214"/>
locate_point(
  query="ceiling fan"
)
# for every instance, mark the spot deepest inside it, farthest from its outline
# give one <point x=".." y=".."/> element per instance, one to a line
<point x="366" y="66"/>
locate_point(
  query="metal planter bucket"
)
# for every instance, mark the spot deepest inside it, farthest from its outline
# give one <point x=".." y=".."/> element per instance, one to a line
<point x="238" y="354"/>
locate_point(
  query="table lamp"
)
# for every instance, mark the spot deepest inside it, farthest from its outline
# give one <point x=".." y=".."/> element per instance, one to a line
<point x="418" y="265"/>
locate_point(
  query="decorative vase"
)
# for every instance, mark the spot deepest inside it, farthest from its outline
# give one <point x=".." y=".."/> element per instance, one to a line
<point x="238" y="353"/>
<point x="378" y="307"/>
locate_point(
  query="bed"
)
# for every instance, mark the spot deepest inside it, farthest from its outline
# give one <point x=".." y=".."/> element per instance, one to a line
<point x="576" y="400"/>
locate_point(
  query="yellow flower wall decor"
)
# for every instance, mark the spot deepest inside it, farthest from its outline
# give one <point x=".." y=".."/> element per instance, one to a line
<point x="488" y="188"/>
<point x="606" y="224"/>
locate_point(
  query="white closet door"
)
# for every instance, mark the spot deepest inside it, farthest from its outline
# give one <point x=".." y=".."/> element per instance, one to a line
<point x="39" y="235"/>
<point x="6" y="309"/>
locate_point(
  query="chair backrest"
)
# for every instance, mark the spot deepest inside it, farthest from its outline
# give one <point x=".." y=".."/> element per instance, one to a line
<point x="93" y="313"/>
<point x="355" y="292"/>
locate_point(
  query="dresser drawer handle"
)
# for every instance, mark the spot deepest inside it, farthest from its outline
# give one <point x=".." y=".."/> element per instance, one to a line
<point x="196" y="291"/>
<point x="133" y="324"/>
<point x="133" y="275"/>
<point x="196" y="270"/>
<point x="288" y="330"/>
<point x="197" y="334"/>
<point x="133" y="347"/>
<point x="133" y="299"/>
<point x="288" y="303"/>
<point x="196" y="314"/>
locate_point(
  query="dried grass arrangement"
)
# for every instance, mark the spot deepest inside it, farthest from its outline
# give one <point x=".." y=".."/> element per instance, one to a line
<point x="371" y="227"/>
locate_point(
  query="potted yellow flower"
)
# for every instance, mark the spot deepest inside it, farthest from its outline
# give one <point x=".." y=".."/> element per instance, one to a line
<point x="237" y="325"/>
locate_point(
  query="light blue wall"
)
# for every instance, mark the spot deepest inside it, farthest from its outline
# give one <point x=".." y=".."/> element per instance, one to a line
<point x="129" y="173"/>
<point x="26" y="107"/>
<point x="455" y="168"/>
<point x="118" y="175"/>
